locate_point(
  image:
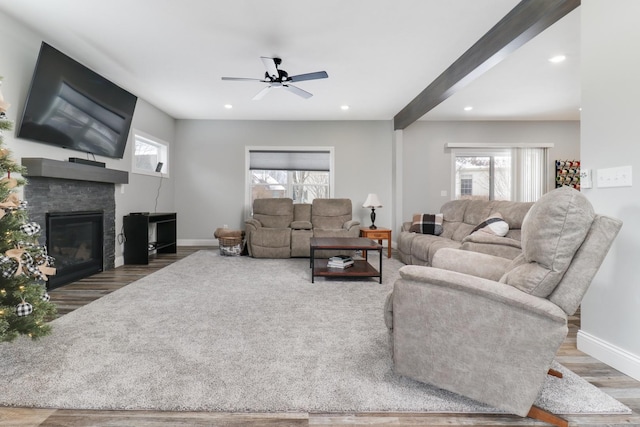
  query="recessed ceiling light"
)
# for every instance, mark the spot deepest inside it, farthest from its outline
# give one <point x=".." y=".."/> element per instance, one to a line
<point x="344" y="107"/>
<point x="557" y="58"/>
<point x="228" y="106"/>
<point x="468" y="108"/>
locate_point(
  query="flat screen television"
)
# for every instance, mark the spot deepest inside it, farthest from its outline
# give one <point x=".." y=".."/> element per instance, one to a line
<point x="71" y="106"/>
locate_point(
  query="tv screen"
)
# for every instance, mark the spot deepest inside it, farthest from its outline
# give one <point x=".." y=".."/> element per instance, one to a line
<point x="70" y="106"/>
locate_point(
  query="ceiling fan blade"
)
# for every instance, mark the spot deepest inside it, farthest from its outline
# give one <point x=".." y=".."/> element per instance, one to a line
<point x="242" y="79"/>
<point x="271" y="66"/>
<point x="298" y="91"/>
<point x="262" y="93"/>
<point x="309" y="76"/>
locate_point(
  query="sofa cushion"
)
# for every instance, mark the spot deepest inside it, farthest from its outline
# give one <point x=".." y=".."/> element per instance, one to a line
<point x="495" y="225"/>
<point x="552" y="231"/>
<point x="302" y="212"/>
<point x="427" y="224"/>
<point x="330" y="213"/>
<point x="273" y="213"/>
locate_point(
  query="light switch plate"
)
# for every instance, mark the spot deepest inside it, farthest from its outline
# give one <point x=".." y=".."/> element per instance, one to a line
<point x="585" y="178"/>
<point x="614" y="177"/>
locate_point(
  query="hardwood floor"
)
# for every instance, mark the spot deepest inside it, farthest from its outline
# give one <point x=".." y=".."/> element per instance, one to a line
<point x="74" y="295"/>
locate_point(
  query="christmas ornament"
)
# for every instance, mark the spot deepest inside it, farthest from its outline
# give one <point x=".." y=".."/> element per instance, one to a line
<point x="9" y="182"/>
<point x="45" y="296"/>
<point x="9" y="266"/>
<point x="30" y="228"/>
<point x="24" y="309"/>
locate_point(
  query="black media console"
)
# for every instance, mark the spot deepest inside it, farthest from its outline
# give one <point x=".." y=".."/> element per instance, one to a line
<point x="137" y="229"/>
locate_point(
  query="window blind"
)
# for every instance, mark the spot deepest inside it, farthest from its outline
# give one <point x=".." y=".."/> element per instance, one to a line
<point x="289" y="160"/>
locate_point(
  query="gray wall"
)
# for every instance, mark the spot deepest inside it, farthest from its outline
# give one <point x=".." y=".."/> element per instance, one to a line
<point x="20" y="47"/>
<point x="426" y="165"/>
<point x="610" y="129"/>
<point x="210" y="169"/>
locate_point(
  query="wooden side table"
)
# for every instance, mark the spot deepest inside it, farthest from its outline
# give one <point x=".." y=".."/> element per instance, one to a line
<point x="378" y="234"/>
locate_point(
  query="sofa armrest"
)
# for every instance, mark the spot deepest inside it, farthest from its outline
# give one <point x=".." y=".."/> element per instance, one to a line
<point x="351" y="224"/>
<point x="252" y="224"/>
<point x="504" y="247"/>
<point x="486" y="289"/>
<point x="406" y="226"/>
<point x="490" y="239"/>
<point x="301" y="225"/>
<point x="473" y="263"/>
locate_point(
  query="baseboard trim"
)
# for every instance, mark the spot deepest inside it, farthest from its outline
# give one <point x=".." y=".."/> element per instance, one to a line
<point x="197" y="242"/>
<point x="617" y="358"/>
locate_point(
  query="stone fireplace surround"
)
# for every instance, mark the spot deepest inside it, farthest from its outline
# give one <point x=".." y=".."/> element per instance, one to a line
<point x="58" y="186"/>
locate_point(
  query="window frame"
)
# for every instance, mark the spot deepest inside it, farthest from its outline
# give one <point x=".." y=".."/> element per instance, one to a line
<point x="248" y="180"/>
<point x="491" y="153"/>
<point x="164" y="154"/>
<point x="491" y="149"/>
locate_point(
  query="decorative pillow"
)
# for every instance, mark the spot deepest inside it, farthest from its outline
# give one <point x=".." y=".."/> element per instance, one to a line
<point x="493" y="225"/>
<point x="427" y="224"/>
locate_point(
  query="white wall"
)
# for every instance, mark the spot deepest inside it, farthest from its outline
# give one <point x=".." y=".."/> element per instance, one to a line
<point x="20" y="47"/>
<point x="427" y="163"/>
<point x="609" y="132"/>
<point x="210" y="167"/>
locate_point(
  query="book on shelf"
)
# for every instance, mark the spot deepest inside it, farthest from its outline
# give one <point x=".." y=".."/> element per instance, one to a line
<point x="340" y="261"/>
<point x="339" y="265"/>
<point x="339" y="258"/>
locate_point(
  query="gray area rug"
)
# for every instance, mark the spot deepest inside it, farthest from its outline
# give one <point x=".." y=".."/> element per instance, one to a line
<point x="213" y="333"/>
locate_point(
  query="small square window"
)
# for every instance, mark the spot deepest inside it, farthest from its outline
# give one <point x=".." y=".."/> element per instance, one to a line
<point x="150" y="155"/>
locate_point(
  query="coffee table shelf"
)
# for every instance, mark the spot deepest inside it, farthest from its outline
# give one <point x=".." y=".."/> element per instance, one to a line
<point x="360" y="268"/>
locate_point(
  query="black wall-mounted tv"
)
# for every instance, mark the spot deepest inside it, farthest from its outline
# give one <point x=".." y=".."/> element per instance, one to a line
<point x="71" y="106"/>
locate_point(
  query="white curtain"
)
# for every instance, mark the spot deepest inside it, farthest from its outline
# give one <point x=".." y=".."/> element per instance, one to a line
<point x="530" y="173"/>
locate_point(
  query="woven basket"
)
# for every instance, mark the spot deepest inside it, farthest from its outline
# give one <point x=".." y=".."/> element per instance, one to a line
<point x="230" y="246"/>
<point x="229" y="241"/>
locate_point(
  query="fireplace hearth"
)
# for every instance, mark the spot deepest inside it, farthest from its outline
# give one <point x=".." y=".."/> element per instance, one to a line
<point x="47" y="192"/>
<point x="75" y="241"/>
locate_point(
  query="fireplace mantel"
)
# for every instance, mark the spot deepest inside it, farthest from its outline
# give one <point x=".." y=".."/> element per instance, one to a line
<point x="49" y="168"/>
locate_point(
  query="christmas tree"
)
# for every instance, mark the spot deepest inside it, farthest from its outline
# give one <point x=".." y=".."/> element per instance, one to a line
<point x="24" y="264"/>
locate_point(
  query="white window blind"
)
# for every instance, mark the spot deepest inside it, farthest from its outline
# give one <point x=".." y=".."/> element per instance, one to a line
<point x="290" y="160"/>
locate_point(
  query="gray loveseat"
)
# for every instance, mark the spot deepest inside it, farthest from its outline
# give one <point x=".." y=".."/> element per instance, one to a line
<point x="280" y="228"/>
<point x="460" y="217"/>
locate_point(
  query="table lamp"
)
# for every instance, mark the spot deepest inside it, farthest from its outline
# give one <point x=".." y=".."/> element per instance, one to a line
<point x="372" y="202"/>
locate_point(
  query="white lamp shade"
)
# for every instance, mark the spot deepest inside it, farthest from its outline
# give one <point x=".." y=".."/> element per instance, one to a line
<point x="372" y="201"/>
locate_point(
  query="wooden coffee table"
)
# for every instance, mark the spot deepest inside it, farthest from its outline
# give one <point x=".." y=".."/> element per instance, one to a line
<point x="361" y="268"/>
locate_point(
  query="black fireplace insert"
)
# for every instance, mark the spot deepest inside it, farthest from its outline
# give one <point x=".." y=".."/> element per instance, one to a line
<point x="75" y="240"/>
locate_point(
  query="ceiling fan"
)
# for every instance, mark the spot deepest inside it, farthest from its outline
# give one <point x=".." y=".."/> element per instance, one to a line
<point x="278" y="78"/>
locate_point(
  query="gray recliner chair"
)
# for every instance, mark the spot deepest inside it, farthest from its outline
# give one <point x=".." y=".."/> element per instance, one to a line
<point x="489" y="328"/>
<point x="333" y="218"/>
<point x="268" y="232"/>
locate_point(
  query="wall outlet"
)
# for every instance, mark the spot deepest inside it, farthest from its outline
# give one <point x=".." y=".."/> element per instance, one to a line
<point x="443" y="193"/>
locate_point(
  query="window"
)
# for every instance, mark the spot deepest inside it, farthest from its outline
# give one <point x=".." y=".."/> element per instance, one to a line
<point x="299" y="173"/>
<point x="499" y="173"/>
<point x="148" y="153"/>
<point x="466" y="185"/>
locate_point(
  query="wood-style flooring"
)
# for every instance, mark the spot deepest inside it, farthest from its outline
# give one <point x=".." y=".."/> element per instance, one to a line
<point x="74" y="295"/>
